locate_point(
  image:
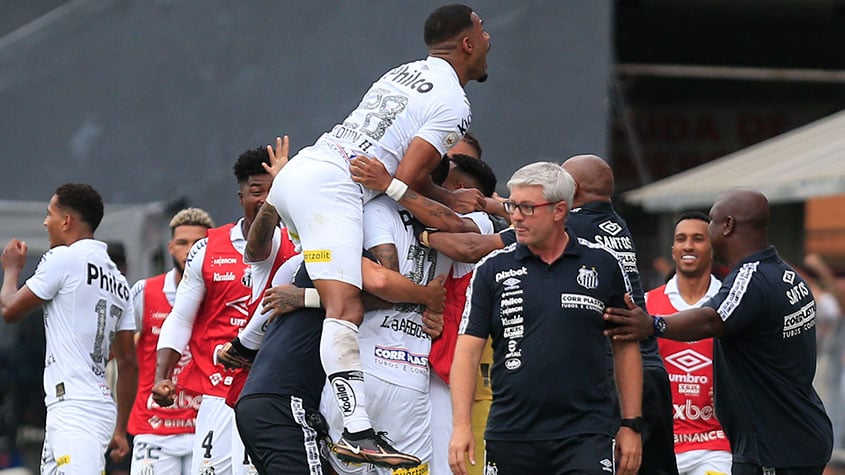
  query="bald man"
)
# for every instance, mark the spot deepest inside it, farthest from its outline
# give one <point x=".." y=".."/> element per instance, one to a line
<point x="763" y="318"/>
<point x="594" y="218"/>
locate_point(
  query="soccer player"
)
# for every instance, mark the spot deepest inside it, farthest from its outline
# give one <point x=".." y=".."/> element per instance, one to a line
<point x="763" y="321"/>
<point x="701" y="446"/>
<point x="164" y="436"/>
<point x="407" y="119"/>
<point x="541" y="301"/>
<point x="87" y="313"/>
<point x="213" y="302"/>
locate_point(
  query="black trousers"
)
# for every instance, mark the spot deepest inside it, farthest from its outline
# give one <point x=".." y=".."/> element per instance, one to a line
<point x="280" y="435"/>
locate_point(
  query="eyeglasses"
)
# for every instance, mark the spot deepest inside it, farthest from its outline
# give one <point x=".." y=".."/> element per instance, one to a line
<point x="525" y="209"/>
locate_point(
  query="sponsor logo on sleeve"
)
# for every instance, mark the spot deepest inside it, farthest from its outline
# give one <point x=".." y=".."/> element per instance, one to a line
<point x="322" y="255"/>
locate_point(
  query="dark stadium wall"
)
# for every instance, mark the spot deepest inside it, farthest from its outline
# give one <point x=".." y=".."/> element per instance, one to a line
<point x="154" y="100"/>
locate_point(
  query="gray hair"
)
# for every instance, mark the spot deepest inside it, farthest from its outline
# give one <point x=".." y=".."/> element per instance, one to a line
<point x="557" y="183"/>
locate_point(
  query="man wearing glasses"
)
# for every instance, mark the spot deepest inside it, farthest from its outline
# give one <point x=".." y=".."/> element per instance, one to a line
<point x="541" y="300"/>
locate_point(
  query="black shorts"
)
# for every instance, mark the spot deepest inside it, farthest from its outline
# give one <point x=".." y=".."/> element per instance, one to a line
<point x="753" y="469"/>
<point x="583" y="455"/>
<point x="280" y="435"/>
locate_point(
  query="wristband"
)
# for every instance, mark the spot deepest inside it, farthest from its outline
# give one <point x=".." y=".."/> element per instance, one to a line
<point x="396" y="189"/>
<point x="312" y="298"/>
<point x="424" y="239"/>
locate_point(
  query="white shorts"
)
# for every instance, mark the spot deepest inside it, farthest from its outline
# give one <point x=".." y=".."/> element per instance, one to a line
<point x="159" y="454"/>
<point x="441" y="423"/>
<point x="212" y="447"/>
<point x="403" y="412"/>
<point x="77" y="436"/>
<point x="704" y="462"/>
<point x="323" y="210"/>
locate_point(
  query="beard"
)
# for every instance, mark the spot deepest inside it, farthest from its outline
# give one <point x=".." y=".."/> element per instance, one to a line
<point x="483" y="78"/>
<point x="178" y="265"/>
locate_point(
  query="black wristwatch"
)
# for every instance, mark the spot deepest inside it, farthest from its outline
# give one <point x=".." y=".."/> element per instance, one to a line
<point x="659" y="325"/>
<point x="636" y="424"/>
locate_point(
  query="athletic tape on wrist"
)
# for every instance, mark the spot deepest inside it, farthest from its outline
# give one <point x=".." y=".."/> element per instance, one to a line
<point x="312" y="298"/>
<point x="396" y="189"/>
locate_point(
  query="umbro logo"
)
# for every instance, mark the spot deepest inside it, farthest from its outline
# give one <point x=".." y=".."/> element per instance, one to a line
<point x="240" y="304"/>
<point x="610" y="227"/>
<point x="606" y="465"/>
<point x="511" y="282"/>
<point x="688" y="360"/>
<point x="789" y="277"/>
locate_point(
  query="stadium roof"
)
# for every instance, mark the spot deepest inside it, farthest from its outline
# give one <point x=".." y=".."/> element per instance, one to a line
<point x="804" y="163"/>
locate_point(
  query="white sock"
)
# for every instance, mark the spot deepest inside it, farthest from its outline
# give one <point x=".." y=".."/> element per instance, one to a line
<point x="342" y="362"/>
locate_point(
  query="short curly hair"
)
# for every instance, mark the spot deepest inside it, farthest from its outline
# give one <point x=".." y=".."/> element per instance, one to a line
<point x="83" y="199"/>
<point x="191" y="217"/>
<point x="249" y="164"/>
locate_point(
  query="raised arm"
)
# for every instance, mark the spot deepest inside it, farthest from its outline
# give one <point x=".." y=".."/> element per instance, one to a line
<point x="15" y="303"/>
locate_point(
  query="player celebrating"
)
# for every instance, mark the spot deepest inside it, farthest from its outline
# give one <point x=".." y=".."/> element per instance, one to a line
<point x="407" y="119"/>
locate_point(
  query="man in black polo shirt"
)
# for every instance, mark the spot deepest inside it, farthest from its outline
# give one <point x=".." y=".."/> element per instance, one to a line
<point x="765" y="351"/>
<point x="594" y="219"/>
<point x="541" y="301"/>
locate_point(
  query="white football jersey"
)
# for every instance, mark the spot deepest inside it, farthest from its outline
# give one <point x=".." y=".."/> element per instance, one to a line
<point x="392" y="343"/>
<point x="87" y="302"/>
<point x="419" y="99"/>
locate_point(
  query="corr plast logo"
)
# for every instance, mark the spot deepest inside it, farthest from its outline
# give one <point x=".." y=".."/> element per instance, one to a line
<point x="689" y="360"/>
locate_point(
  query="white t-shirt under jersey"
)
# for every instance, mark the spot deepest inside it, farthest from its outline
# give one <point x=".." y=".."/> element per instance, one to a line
<point x="87" y="302"/>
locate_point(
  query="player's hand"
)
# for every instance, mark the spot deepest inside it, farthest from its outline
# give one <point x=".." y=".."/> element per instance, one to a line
<point x="629" y="451"/>
<point x="228" y="356"/>
<point x="119" y="447"/>
<point x="282" y="299"/>
<point x="628" y="324"/>
<point x="163" y="392"/>
<point x="14" y="255"/>
<point x="370" y="173"/>
<point x="436" y="299"/>
<point x="461" y="446"/>
<point x="467" y="200"/>
<point x="278" y="157"/>
<point x="432" y="323"/>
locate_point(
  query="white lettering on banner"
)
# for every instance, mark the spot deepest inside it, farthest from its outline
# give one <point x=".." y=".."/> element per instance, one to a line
<point x="500" y="276"/>
<point x="699" y="437"/>
<point x="803" y="319"/>
<point x="688" y="378"/>
<point x="514" y="332"/>
<point x="691" y="412"/>
<point x="220" y="261"/>
<point x="401" y="355"/>
<point x="227" y="277"/>
<point x="689" y="389"/>
<point x="581" y="301"/>
<point x="795" y="294"/>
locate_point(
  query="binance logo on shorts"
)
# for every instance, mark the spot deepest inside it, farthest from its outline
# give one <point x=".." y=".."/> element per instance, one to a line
<point x="323" y="255"/>
<point x="63" y="460"/>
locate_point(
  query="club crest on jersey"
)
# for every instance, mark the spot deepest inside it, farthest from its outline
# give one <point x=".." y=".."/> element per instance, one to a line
<point x="246" y="280"/>
<point x="588" y="278"/>
<point x="451" y="139"/>
<point x="610" y="227"/>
